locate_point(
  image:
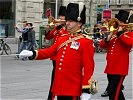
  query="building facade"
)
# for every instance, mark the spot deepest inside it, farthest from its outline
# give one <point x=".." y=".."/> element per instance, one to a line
<point x="114" y="5"/>
<point x="29" y="10"/>
<point x="13" y="12"/>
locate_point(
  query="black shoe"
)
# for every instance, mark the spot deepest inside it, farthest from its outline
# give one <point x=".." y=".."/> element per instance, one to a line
<point x="105" y="94"/>
<point x="24" y="59"/>
<point x="17" y="56"/>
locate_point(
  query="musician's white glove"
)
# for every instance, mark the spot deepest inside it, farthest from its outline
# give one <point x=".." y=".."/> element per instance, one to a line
<point x="85" y="96"/>
<point x="26" y="53"/>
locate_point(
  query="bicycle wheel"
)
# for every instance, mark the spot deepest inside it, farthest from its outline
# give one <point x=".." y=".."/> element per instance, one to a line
<point x="7" y="49"/>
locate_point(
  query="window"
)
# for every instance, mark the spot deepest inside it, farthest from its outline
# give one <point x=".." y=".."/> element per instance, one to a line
<point x="130" y="1"/>
<point x="98" y="1"/>
<point x="3" y="30"/>
<point x="119" y="2"/>
<point x="7" y="17"/>
<point x="51" y="4"/>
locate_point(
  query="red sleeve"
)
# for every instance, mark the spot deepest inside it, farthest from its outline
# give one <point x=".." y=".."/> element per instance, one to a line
<point x="51" y="34"/>
<point x="88" y="62"/>
<point x="46" y="52"/>
<point x="127" y="38"/>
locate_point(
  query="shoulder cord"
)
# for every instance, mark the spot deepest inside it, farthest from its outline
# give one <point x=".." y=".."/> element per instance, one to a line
<point x="69" y="41"/>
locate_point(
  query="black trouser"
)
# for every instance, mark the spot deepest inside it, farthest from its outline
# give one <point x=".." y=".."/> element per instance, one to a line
<point x="109" y="77"/>
<point x="115" y="87"/>
<point x="52" y="80"/>
<point x="67" y="98"/>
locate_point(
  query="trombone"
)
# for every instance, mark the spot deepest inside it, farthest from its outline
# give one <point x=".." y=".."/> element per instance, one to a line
<point x="102" y="30"/>
<point x="112" y="26"/>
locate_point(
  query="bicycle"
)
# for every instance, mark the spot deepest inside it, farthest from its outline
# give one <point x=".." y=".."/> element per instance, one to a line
<point x="4" y="47"/>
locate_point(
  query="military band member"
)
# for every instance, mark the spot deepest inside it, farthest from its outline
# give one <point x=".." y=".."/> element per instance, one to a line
<point x="119" y="44"/>
<point x="59" y="30"/>
<point x="74" y="57"/>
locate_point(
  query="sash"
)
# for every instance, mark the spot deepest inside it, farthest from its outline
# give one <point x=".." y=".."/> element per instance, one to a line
<point x="69" y="41"/>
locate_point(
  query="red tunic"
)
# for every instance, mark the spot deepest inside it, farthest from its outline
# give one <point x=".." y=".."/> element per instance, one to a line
<point x="74" y="65"/>
<point x="118" y="53"/>
<point x="55" y="34"/>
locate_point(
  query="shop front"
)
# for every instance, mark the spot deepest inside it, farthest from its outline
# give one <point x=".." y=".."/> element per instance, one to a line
<point x="7" y="18"/>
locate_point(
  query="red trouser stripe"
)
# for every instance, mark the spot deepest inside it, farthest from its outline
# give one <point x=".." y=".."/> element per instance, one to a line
<point x="119" y="87"/>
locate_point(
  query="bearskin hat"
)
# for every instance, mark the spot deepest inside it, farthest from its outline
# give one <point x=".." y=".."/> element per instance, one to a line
<point x="122" y="16"/>
<point x="76" y="12"/>
<point x="62" y="11"/>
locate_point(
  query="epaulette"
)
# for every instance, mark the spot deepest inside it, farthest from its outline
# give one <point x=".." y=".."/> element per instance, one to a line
<point x="87" y="36"/>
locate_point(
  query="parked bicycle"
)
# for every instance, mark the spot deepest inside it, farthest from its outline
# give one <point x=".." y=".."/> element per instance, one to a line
<point x="4" y="47"/>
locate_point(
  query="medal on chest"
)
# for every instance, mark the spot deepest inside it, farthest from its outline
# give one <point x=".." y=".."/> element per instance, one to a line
<point x="75" y="45"/>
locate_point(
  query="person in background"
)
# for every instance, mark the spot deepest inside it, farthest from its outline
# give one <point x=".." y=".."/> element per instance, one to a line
<point x="119" y="44"/>
<point x="59" y="30"/>
<point x="31" y="37"/>
<point x="96" y="30"/>
<point x="74" y="57"/>
<point x="24" y="34"/>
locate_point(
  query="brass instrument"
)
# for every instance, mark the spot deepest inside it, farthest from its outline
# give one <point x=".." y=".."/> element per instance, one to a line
<point x="52" y="21"/>
<point x="89" y="31"/>
<point x="114" y="24"/>
<point x="130" y="27"/>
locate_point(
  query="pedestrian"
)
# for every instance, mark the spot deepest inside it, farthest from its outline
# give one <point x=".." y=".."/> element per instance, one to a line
<point x="74" y="57"/>
<point x="119" y="44"/>
<point x="24" y="34"/>
<point x="31" y="37"/>
<point x="59" y="30"/>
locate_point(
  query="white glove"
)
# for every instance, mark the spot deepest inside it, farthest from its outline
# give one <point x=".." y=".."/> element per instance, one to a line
<point x="85" y="96"/>
<point x="26" y="53"/>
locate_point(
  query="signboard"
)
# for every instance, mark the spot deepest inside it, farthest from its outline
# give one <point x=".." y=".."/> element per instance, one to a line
<point x="99" y="9"/>
<point x="48" y="12"/>
<point x="107" y="14"/>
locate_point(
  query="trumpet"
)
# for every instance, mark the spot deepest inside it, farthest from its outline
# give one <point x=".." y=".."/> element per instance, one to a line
<point x="52" y="21"/>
